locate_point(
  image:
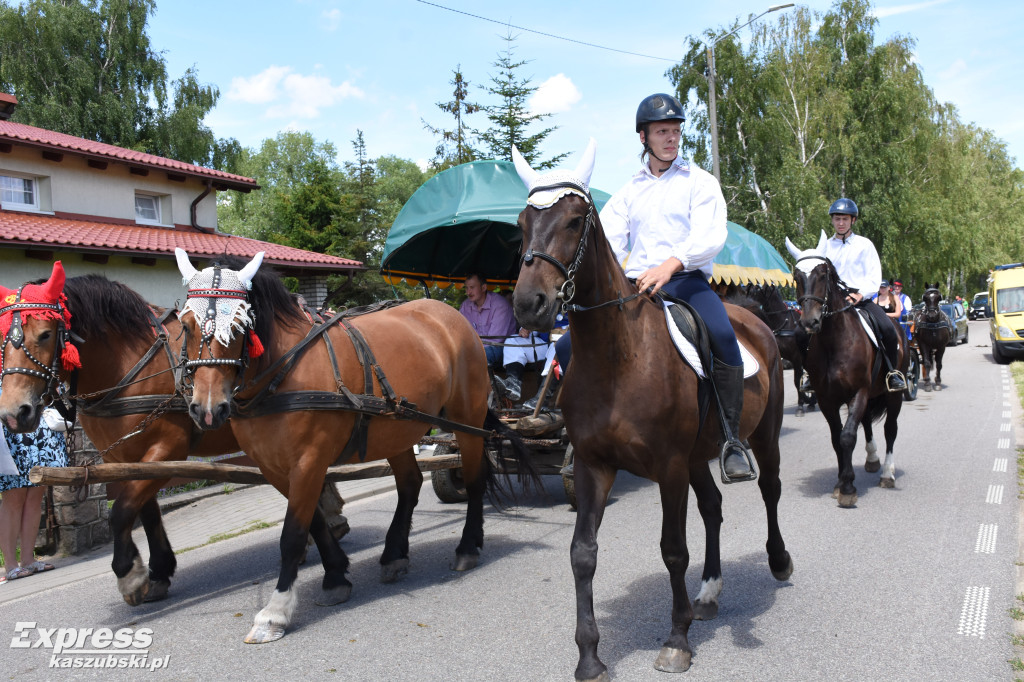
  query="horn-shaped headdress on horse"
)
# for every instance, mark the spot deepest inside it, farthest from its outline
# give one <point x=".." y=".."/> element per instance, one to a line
<point x="545" y="189"/>
<point x="797" y="253"/>
<point x="51" y="303"/>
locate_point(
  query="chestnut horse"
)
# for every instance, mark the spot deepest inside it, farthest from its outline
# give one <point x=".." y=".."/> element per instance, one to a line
<point x="789" y="334"/>
<point x="845" y="368"/>
<point x="933" y="331"/>
<point x="422" y="356"/>
<point x="630" y="403"/>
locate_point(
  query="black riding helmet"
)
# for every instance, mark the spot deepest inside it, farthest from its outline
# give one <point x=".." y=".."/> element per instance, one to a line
<point x="658" y="107"/>
<point x="843" y="206"/>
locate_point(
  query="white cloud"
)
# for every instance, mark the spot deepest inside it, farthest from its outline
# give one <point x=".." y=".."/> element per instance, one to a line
<point x="955" y="70"/>
<point x="291" y="95"/>
<point x="333" y="17"/>
<point x="883" y="12"/>
<point x="556" y="94"/>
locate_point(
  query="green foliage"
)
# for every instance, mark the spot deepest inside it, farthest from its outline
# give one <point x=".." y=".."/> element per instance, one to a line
<point x="454" y="146"/>
<point x="87" y="69"/>
<point x="510" y="118"/>
<point x="814" y="109"/>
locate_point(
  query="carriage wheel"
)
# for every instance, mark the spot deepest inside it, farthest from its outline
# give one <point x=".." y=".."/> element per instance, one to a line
<point x="568" y="482"/>
<point x="448" y="484"/>
<point x="913" y="375"/>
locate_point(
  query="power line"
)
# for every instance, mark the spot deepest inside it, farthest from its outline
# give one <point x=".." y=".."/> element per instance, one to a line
<point x="546" y="35"/>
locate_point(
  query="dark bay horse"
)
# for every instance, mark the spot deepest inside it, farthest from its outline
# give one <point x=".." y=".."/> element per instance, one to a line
<point x="789" y="334"/>
<point x="422" y="353"/>
<point x="122" y="339"/>
<point x="630" y="403"/>
<point x="933" y="331"/>
<point x="845" y="368"/>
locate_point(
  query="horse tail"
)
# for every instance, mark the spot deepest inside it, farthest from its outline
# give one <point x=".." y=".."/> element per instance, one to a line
<point x="876" y="407"/>
<point x="521" y="462"/>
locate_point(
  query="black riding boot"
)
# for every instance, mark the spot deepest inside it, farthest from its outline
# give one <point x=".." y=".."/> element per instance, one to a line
<point x="894" y="379"/>
<point x="514" y="381"/>
<point x="734" y="457"/>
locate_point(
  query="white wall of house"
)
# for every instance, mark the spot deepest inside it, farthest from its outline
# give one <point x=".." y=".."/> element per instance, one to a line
<point x="72" y="186"/>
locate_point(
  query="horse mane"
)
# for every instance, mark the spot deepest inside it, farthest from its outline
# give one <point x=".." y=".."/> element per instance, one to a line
<point x="102" y="308"/>
<point x="269" y="299"/>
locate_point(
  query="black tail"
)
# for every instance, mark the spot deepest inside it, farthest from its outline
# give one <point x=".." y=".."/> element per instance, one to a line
<point x="522" y="462"/>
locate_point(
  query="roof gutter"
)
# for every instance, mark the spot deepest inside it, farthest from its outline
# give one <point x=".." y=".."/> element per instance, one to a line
<point x="195" y="223"/>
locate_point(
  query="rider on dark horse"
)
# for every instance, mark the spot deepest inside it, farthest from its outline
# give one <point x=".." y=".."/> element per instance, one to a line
<point x="857" y="264"/>
<point x="671" y="218"/>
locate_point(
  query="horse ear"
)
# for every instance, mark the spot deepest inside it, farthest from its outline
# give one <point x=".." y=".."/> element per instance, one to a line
<point x="184" y="266"/>
<point x="791" y="247"/>
<point x="54" y="287"/>
<point x="246" y="274"/>
<point x="586" y="166"/>
<point x="526" y="174"/>
<point x="822" y="241"/>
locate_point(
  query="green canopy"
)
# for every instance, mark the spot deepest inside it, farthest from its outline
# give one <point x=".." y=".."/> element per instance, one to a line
<point x="463" y="220"/>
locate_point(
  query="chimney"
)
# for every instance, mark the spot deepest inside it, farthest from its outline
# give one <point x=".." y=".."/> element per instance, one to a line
<point x="7" y="105"/>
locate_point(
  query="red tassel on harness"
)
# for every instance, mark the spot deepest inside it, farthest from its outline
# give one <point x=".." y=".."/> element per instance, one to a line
<point x="70" y="359"/>
<point x="255" y="345"/>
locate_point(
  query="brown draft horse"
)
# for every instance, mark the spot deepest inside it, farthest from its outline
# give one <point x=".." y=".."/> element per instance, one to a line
<point x="121" y="340"/>
<point x="845" y="368"/>
<point x="630" y="403"/>
<point x="424" y="350"/>
<point x="789" y="334"/>
<point x="932" y="331"/>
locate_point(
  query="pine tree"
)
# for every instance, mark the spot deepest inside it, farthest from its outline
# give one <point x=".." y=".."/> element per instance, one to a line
<point x="454" y="147"/>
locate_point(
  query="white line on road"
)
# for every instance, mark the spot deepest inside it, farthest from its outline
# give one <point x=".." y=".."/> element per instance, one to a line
<point x="1004" y="444"/>
<point x="986" y="542"/>
<point x="995" y="494"/>
<point x="974" y="612"/>
<point x="1004" y="427"/>
<point x="1000" y="465"/>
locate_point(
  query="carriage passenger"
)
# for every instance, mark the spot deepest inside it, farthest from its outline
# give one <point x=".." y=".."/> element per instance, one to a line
<point x="905" y="303"/>
<point x="491" y="316"/>
<point x="888" y="301"/>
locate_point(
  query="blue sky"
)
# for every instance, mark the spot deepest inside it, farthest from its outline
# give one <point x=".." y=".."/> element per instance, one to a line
<point x="334" y="66"/>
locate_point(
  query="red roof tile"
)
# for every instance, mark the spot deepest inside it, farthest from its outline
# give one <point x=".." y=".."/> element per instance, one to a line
<point x="27" y="230"/>
<point x="19" y="132"/>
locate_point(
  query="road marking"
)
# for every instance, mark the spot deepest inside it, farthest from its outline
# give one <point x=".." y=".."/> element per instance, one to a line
<point x="995" y="494"/>
<point x="1004" y="427"/>
<point x="986" y="542"/>
<point x="974" y="612"/>
<point x="1000" y="465"/>
<point x="1004" y="444"/>
<point x="1006" y="414"/>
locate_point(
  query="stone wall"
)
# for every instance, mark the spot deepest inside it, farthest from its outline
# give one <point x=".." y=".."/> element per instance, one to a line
<point x="81" y="524"/>
<point x="314" y="289"/>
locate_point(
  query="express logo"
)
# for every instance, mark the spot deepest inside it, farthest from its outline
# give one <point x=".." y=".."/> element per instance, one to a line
<point x="89" y="647"/>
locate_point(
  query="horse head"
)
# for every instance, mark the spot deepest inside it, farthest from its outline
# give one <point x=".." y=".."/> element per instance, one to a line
<point x="217" y="324"/>
<point x="931" y="299"/>
<point x="36" y="328"/>
<point x="818" y="290"/>
<point x="556" y="223"/>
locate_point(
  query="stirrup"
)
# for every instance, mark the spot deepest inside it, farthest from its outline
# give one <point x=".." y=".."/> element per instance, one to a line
<point x="732" y="443"/>
<point x="895" y="373"/>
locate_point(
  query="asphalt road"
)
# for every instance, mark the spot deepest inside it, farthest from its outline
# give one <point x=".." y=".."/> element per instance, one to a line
<point x="914" y="583"/>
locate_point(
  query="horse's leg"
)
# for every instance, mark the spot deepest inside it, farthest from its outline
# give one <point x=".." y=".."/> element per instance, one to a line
<point x="336" y="587"/>
<point x="939" y="352"/>
<point x="132" y="574"/>
<point x="871" y="464"/>
<point x="475" y="471"/>
<point x="394" y="562"/>
<point x="592" y="488"/>
<point x="271" y="623"/>
<point x="676" y="654"/>
<point x="798" y="371"/>
<point x="709" y="502"/>
<point x="764" y="442"/>
<point x="926" y="357"/>
<point x="162" y="561"/>
<point x="847" y="442"/>
<point x="892" y="413"/>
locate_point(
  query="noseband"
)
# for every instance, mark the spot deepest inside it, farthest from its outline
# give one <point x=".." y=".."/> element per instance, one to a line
<point x="568" y="289"/>
<point x="16" y="338"/>
<point x="825" y="311"/>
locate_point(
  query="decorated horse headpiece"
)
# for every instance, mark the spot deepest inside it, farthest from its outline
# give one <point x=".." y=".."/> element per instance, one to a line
<point x="45" y="301"/>
<point x="806" y="261"/>
<point x="218" y="298"/>
<point x="545" y="189"/>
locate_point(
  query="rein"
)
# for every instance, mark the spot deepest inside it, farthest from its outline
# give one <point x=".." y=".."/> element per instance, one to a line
<point x="568" y="289"/>
<point x="15" y="336"/>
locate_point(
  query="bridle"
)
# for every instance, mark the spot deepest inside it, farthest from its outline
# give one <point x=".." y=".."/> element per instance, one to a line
<point x="843" y="288"/>
<point x="931" y="315"/>
<point x="568" y="289"/>
<point x="208" y="328"/>
<point x="15" y="336"/>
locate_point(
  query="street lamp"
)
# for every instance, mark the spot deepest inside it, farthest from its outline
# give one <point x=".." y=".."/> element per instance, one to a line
<point x="712" y="109"/>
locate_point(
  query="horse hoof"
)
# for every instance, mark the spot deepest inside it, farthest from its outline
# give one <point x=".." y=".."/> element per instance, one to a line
<point x="847" y="501"/>
<point x="603" y="677"/>
<point x="835" y="493"/>
<point x="887" y="483"/>
<point x="135" y="598"/>
<point x="263" y="633"/>
<point x="927" y="388"/>
<point x="391" y="572"/>
<point x="800" y="411"/>
<point x="333" y="596"/>
<point x="705" y="610"/>
<point x="465" y="562"/>
<point x="157" y="590"/>
<point x="871" y="466"/>
<point x="673" y="660"/>
<point x="786" y="572"/>
<point x="938" y="386"/>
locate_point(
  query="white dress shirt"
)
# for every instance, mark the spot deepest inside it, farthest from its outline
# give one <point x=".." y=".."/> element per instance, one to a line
<point x="681" y="214"/>
<point x="856" y="261"/>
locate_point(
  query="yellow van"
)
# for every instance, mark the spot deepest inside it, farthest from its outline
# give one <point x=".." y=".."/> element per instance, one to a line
<point x="1005" y="310"/>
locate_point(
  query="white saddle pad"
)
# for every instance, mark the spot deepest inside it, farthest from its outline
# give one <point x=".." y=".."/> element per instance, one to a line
<point x="863" y="317"/>
<point x="692" y="358"/>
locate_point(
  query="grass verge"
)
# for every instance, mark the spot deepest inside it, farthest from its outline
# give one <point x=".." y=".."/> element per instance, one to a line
<point x="253" y="525"/>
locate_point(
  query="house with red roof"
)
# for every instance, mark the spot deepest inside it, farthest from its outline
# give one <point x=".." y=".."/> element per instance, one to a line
<point x="104" y="209"/>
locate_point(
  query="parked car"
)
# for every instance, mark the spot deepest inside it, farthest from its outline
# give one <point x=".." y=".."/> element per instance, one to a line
<point x="1006" y="312"/>
<point x="955" y="312"/>
<point x="976" y="311"/>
